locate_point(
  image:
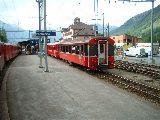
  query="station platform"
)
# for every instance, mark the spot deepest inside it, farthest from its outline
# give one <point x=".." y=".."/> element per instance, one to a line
<point x="67" y="93"/>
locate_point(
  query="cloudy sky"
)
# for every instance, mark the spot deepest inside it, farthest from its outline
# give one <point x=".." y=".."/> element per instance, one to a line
<point x="61" y="13"/>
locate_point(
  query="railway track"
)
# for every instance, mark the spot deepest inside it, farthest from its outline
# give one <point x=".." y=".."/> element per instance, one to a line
<point x="148" y="92"/>
<point x="143" y="90"/>
<point x="148" y="70"/>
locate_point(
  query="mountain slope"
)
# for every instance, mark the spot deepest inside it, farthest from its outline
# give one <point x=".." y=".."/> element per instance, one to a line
<point x="12" y="33"/>
<point x="139" y="25"/>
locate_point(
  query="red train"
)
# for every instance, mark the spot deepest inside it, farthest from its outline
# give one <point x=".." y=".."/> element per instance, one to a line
<point x="7" y="52"/>
<point x="95" y="53"/>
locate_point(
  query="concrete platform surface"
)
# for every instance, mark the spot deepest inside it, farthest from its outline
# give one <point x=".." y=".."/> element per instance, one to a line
<point x="66" y="93"/>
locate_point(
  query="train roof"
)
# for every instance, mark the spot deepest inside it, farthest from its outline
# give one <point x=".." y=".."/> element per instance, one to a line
<point x="53" y="43"/>
<point x="92" y="40"/>
<point x="110" y="41"/>
<point x="7" y="43"/>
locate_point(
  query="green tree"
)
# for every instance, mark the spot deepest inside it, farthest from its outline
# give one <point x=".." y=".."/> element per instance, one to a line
<point x="3" y="36"/>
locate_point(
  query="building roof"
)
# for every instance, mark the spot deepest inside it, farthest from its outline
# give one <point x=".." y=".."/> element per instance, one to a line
<point x="81" y="29"/>
<point x="84" y="32"/>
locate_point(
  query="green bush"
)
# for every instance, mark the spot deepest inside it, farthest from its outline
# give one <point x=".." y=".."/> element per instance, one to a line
<point x="3" y="36"/>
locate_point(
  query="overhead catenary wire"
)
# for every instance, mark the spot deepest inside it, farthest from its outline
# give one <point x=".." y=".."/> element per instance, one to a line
<point x="14" y="7"/>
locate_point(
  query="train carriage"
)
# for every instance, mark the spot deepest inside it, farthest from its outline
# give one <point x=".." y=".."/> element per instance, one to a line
<point x="2" y="60"/>
<point x="53" y="49"/>
<point x="8" y="51"/>
<point x="95" y="53"/>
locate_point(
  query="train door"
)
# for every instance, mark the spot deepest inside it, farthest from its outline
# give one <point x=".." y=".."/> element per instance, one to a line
<point x="102" y="53"/>
<point x="81" y="54"/>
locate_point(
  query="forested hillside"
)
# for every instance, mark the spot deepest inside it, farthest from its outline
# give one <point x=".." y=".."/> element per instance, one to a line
<point x="140" y="25"/>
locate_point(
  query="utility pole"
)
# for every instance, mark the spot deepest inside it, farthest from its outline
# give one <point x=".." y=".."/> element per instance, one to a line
<point x="42" y="17"/>
<point x="108" y="30"/>
<point x="40" y="8"/>
<point x="103" y="24"/>
<point x="96" y="27"/>
<point x="45" y="39"/>
<point x="152" y="30"/>
<point x="151" y="20"/>
<point x="96" y="16"/>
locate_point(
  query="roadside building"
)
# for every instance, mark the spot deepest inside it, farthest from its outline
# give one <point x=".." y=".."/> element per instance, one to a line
<point x="78" y="31"/>
<point x="123" y="42"/>
<point x="126" y="39"/>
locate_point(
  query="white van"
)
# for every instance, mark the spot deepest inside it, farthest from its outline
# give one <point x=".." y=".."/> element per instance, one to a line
<point x="136" y="52"/>
<point x="147" y="47"/>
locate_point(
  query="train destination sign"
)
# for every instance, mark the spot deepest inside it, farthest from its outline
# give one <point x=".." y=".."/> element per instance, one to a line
<point x="45" y="33"/>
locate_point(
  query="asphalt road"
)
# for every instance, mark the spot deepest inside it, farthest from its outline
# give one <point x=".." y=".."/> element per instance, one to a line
<point x="66" y="93"/>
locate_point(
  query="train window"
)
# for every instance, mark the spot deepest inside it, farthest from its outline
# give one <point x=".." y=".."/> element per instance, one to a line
<point x="69" y="49"/>
<point x="86" y="49"/>
<point x="82" y="49"/>
<point x="58" y="48"/>
<point x="73" y="49"/>
<point x="93" y="51"/>
<point x="110" y="49"/>
<point x="63" y="48"/>
<point x="77" y="49"/>
<point x="101" y="48"/>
